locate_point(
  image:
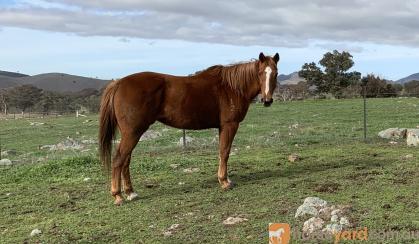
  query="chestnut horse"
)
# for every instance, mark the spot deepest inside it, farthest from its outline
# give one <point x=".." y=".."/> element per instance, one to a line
<point x="217" y="97"/>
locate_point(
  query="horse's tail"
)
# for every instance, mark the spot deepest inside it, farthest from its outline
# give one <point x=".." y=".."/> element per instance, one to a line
<point x="107" y="124"/>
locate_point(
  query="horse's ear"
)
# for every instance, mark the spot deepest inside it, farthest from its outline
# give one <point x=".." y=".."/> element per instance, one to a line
<point x="261" y="57"/>
<point x="276" y="57"/>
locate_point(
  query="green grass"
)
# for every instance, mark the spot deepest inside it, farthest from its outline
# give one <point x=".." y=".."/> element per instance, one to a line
<point x="51" y="195"/>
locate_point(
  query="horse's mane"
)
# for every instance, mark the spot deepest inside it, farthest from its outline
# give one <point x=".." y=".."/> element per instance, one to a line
<point x="237" y="76"/>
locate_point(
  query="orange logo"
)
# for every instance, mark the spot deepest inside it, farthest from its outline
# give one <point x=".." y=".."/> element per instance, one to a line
<point x="279" y="233"/>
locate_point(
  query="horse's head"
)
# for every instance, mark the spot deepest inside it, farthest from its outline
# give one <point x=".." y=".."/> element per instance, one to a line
<point x="267" y="77"/>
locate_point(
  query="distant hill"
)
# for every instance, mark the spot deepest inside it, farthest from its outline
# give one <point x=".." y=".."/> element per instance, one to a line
<point x="408" y="78"/>
<point x="290" y="79"/>
<point x="57" y="82"/>
<point x="60" y="82"/>
<point x="6" y="82"/>
<point x="12" y="74"/>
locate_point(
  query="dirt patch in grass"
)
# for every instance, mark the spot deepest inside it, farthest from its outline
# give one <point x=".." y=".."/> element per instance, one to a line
<point x="329" y="187"/>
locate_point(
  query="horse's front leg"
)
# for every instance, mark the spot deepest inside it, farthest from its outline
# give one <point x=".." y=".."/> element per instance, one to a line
<point x="227" y="132"/>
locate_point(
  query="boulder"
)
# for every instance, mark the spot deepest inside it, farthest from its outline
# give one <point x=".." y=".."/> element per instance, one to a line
<point x="149" y="135"/>
<point x="393" y="133"/>
<point x="412" y="137"/>
<point x="11" y="152"/>
<point x="293" y="158"/>
<point x="305" y="210"/>
<point x="35" y="232"/>
<point x="313" y="224"/>
<point x="333" y="228"/>
<point x="5" y="162"/>
<point x="315" y="202"/>
<point x="234" y="220"/>
<point x="188" y="140"/>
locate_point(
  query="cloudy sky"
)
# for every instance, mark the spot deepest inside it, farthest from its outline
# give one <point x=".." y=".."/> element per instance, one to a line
<point x="113" y="38"/>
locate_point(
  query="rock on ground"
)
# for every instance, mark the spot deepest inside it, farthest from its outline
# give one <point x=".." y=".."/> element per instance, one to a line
<point x="36" y="123"/>
<point x="173" y="228"/>
<point x="305" y="210"/>
<point x="188" y="140"/>
<point x="333" y="228"/>
<point x="190" y="170"/>
<point x="234" y="220"/>
<point x="36" y="232"/>
<point x="149" y="135"/>
<point x="11" y="152"/>
<point x="315" y="202"/>
<point x="321" y="213"/>
<point x="412" y="137"/>
<point x="174" y="166"/>
<point x="293" y="157"/>
<point x="393" y="133"/>
<point x="68" y="144"/>
<point x="5" y="162"/>
<point x="313" y="224"/>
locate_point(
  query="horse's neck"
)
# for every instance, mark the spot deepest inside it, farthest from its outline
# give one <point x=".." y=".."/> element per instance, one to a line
<point x="252" y="90"/>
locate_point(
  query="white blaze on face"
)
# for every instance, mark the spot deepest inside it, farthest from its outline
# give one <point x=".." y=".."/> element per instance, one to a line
<point x="268" y="72"/>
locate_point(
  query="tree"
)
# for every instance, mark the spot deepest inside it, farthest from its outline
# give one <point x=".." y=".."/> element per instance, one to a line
<point x="412" y="87"/>
<point x="4" y="101"/>
<point x="46" y="102"/>
<point x="335" y="76"/>
<point x="378" y="87"/>
<point x="314" y="76"/>
<point x="24" y="96"/>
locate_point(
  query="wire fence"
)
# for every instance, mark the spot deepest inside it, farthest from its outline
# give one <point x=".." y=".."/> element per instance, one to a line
<point x="35" y="137"/>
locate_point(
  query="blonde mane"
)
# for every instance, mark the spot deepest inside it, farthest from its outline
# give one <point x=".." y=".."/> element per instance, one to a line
<point x="236" y="76"/>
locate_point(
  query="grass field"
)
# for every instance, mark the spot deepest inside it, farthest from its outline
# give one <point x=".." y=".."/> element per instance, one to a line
<point x="47" y="190"/>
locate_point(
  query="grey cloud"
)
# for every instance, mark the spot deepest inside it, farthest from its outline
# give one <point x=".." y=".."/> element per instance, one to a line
<point x="284" y="23"/>
<point x="341" y="46"/>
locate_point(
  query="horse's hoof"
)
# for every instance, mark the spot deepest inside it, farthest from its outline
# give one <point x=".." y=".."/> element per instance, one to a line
<point x="228" y="185"/>
<point x="118" y="201"/>
<point x="132" y="196"/>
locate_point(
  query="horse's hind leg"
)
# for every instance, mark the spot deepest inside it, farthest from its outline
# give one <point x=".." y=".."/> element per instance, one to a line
<point x="120" y="166"/>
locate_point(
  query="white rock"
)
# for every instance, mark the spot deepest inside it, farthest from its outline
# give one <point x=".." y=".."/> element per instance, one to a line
<point x="333" y="228"/>
<point x="315" y="202"/>
<point x="86" y="179"/>
<point x="89" y="141"/>
<point x="334" y="218"/>
<point x="312" y="225"/>
<point x="150" y="134"/>
<point x="36" y="232"/>
<point x="412" y="137"/>
<point x="36" y="123"/>
<point x="174" y="166"/>
<point x="325" y="212"/>
<point x="234" y="220"/>
<point x="6" y="153"/>
<point x="190" y="170"/>
<point x="188" y="140"/>
<point x="171" y="229"/>
<point x="337" y="212"/>
<point x="304" y="210"/>
<point x="344" y="221"/>
<point x="5" y="162"/>
<point x="393" y="133"/>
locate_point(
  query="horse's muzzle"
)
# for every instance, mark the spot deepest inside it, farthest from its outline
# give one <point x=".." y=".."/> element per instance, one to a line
<point x="268" y="103"/>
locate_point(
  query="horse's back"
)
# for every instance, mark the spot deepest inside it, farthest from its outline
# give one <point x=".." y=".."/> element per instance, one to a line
<point x="181" y="102"/>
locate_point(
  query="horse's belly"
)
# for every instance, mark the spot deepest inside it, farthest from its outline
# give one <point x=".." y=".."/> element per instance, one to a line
<point x="193" y="120"/>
